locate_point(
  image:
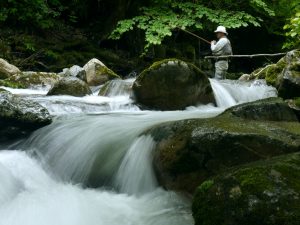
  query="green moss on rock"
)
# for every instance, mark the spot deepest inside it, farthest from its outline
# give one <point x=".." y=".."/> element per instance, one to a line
<point x="191" y="151"/>
<point x="297" y="101"/>
<point x="70" y="86"/>
<point x="97" y="73"/>
<point x="11" y="84"/>
<point x="28" y="79"/>
<point x="284" y="75"/>
<point x="172" y="84"/>
<point x="270" y="109"/>
<point x="265" y="192"/>
<point x="105" y="70"/>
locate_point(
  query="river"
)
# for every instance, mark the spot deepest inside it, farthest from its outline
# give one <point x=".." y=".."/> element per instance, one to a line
<point x="93" y="166"/>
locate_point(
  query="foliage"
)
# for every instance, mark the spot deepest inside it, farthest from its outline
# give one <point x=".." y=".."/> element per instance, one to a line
<point x="38" y="13"/>
<point x="162" y="17"/>
<point x="293" y="32"/>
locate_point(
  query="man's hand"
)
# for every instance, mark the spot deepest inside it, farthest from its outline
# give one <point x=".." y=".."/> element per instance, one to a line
<point x="213" y="42"/>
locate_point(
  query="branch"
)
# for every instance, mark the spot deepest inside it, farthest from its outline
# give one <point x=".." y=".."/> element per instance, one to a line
<point x="244" y="56"/>
<point x="190" y="33"/>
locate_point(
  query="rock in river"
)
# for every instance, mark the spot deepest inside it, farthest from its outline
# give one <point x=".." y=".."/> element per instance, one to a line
<point x="97" y="73"/>
<point x="30" y="79"/>
<point x="284" y="75"/>
<point x="19" y="116"/>
<point x="70" y="86"/>
<point x="190" y="151"/>
<point x="75" y="71"/>
<point x="7" y="70"/>
<point x="270" y="109"/>
<point x="265" y="193"/>
<point x="172" y="85"/>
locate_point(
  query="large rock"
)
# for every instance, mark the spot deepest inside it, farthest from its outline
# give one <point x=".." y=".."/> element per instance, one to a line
<point x="7" y="70"/>
<point x="172" y="85"/>
<point x="97" y="73"/>
<point x="30" y="79"/>
<point x="70" y="86"/>
<point x="190" y="151"/>
<point x="19" y="116"/>
<point x="264" y="193"/>
<point x="284" y="75"/>
<point x="270" y="109"/>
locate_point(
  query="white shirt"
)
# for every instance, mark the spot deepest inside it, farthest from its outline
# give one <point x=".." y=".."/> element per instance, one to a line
<point x="219" y="47"/>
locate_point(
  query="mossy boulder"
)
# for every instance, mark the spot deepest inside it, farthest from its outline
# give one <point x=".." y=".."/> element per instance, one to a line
<point x="3" y="90"/>
<point x="193" y="150"/>
<point x="30" y="79"/>
<point x="284" y="75"/>
<point x="11" y="84"/>
<point x="70" y="86"/>
<point x="97" y="73"/>
<point x="295" y="105"/>
<point x="172" y="84"/>
<point x="19" y="116"/>
<point x="289" y="86"/>
<point x="270" y="109"/>
<point x="265" y="192"/>
<point x="7" y="70"/>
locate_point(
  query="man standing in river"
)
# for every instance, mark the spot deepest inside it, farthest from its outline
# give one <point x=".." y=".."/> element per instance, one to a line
<point x="221" y="48"/>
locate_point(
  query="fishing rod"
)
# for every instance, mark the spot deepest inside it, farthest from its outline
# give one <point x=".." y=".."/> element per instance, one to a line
<point x="201" y="38"/>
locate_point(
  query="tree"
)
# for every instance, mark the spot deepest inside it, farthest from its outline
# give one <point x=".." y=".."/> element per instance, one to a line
<point x="293" y="30"/>
<point x="161" y="18"/>
<point x="36" y="13"/>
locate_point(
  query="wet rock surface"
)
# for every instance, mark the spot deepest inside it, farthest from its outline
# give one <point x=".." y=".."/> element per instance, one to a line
<point x="7" y="70"/>
<point x="265" y="192"/>
<point x="172" y="85"/>
<point x="270" y="109"/>
<point x="31" y="79"/>
<point x="20" y="116"/>
<point x="190" y="151"/>
<point x="284" y="75"/>
<point x="97" y="73"/>
<point x="70" y="86"/>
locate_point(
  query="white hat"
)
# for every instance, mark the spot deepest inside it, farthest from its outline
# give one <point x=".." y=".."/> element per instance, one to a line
<point x="221" y="29"/>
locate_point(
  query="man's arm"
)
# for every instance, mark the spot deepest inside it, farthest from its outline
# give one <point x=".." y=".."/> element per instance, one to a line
<point x="216" y="47"/>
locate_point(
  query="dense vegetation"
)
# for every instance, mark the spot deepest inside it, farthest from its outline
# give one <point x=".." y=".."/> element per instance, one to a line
<point x="39" y="34"/>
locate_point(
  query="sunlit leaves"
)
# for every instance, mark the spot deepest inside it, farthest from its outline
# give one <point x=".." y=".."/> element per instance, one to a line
<point x="162" y="18"/>
<point x="293" y="32"/>
<point x="262" y="5"/>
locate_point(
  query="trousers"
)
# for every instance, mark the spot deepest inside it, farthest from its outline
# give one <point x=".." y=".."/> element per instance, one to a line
<point x="221" y="68"/>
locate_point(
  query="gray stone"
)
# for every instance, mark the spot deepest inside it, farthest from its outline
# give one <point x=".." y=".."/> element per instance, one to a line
<point x="172" y="85"/>
<point x="20" y="116"/>
<point x="70" y="86"/>
<point x="7" y="70"/>
<point x="97" y="73"/>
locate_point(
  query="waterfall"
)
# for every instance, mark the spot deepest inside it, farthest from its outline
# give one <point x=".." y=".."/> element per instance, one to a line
<point x="38" y="199"/>
<point x="222" y="96"/>
<point x="118" y="88"/>
<point x="136" y="175"/>
<point x="93" y="166"/>
<point x="229" y="93"/>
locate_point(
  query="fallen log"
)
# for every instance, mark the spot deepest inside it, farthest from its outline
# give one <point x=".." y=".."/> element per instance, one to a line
<point x="244" y="56"/>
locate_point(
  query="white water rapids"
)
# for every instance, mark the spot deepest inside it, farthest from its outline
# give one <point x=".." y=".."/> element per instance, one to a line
<point x="95" y="141"/>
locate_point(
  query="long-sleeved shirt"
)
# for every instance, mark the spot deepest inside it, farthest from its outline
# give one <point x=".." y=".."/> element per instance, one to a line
<point x="222" y="47"/>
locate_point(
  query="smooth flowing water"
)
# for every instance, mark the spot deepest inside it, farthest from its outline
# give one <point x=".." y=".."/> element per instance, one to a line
<point x="93" y="166"/>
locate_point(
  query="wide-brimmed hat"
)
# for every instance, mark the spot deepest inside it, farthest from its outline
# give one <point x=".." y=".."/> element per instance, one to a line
<point x="221" y="29"/>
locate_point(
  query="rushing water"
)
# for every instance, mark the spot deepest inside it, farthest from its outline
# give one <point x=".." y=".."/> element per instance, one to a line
<point x="95" y="141"/>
